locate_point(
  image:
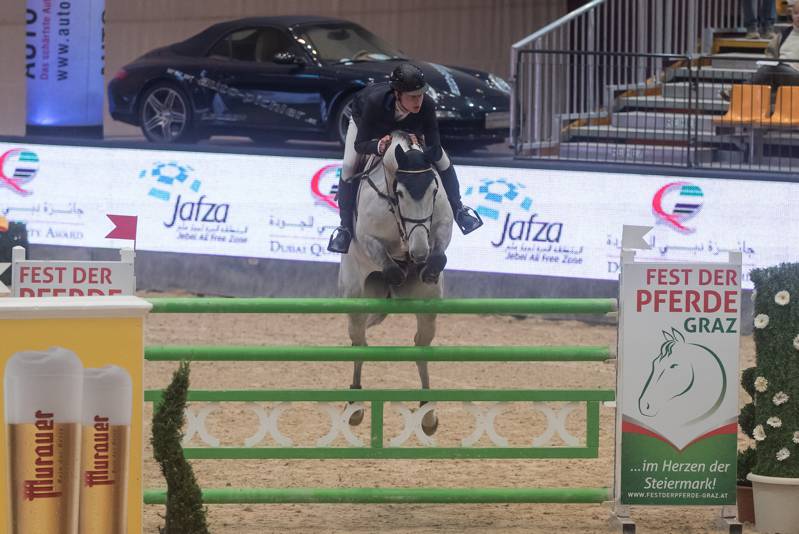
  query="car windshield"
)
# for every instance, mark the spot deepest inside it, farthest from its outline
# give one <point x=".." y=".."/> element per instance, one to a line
<point x="350" y="43"/>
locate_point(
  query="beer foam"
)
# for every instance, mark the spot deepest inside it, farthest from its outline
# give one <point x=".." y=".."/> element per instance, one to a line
<point x="108" y="393"/>
<point x="49" y="381"/>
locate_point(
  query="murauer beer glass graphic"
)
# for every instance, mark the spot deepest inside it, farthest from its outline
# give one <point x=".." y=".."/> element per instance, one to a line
<point x="43" y="392"/>
<point x="107" y="405"/>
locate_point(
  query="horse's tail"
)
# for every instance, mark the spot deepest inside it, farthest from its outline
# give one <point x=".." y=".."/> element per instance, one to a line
<point x="375" y="319"/>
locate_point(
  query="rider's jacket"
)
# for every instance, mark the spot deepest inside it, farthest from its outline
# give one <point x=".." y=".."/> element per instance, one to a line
<point x="373" y="111"/>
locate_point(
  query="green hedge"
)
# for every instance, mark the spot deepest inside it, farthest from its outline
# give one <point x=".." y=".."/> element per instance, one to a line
<point x="185" y="513"/>
<point x="775" y="380"/>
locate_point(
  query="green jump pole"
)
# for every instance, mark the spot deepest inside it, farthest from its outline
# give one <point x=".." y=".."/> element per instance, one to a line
<point x="377" y="354"/>
<point x="391" y="395"/>
<point x="339" y="305"/>
<point x="393" y="495"/>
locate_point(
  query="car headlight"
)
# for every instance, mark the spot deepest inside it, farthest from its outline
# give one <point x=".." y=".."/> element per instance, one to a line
<point x="495" y="82"/>
<point x="432" y="93"/>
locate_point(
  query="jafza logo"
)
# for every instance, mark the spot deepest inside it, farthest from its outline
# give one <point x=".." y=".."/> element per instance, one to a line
<point x="498" y="196"/>
<point x="677" y="202"/>
<point x="324" y="184"/>
<point x="18" y="166"/>
<point x="167" y="176"/>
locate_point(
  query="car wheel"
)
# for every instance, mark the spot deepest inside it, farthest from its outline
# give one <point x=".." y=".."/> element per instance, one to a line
<point x="342" y="120"/>
<point x="165" y="115"/>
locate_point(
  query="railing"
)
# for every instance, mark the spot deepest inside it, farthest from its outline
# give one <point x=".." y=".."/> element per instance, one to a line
<point x="544" y="91"/>
<point x="339" y="405"/>
<point x="680" y="116"/>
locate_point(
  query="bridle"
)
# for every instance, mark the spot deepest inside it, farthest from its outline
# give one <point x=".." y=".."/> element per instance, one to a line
<point x="425" y="223"/>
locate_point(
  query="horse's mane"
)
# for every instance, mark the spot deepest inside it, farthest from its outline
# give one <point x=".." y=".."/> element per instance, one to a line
<point x="666" y="349"/>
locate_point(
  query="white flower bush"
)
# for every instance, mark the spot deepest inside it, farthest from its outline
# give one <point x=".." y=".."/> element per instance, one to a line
<point x="775" y="422"/>
<point x="783" y="454"/>
<point x="761" y="384"/>
<point x="754" y="295"/>
<point x="780" y="398"/>
<point x="758" y="433"/>
<point x="796" y="342"/>
<point x="782" y="298"/>
<point x="796" y="437"/>
<point x="761" y="321"/>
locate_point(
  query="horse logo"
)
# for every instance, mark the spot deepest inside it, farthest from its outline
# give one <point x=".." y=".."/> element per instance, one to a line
<point x="686" y="380"/>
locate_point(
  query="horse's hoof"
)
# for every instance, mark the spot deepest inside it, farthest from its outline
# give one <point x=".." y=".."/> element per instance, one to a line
<point x="394" y="275"/>
<point x="356" y="418"/>
<point x="433" y="268"/>
<point x="430" y="429"/>
<point x="427" y="427"/>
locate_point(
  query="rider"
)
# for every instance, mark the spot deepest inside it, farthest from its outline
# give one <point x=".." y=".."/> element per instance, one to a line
<point x="379" y="109"/>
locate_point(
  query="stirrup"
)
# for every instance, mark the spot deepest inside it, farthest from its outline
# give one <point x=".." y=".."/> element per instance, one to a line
<point x="468" y="220"/>
<point x="340" y="240"/>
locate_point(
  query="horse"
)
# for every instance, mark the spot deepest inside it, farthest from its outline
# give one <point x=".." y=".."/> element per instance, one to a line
<point x="403" y="226"/>
<point x="678" y="374"/>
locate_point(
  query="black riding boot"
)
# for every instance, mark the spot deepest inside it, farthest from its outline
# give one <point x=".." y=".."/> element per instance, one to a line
<point x="466" y="218"/>
<point x="342" y="236"/>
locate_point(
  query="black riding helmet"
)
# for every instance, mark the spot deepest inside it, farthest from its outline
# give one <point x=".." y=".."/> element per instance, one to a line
<point x="407" y="77"/>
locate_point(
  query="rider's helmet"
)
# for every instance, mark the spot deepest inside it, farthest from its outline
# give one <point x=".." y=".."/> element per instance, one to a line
<point x="408" y="78"/>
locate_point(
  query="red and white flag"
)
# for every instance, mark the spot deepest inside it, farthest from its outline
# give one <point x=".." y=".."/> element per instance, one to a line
<point x="124" y="227"/>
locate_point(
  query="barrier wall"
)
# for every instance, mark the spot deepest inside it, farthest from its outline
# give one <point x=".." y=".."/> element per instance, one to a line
<point x="554" y="223"/>
<point x="552" y="441"/>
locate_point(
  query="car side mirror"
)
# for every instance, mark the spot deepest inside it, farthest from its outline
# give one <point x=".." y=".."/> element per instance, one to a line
<point x="287" y="58"/>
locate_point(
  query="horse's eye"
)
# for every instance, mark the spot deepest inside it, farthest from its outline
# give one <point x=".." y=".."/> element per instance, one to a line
<point x="672" y="366"/>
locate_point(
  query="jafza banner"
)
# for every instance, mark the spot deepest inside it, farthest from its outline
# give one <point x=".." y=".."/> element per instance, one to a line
<point x="677" y="384"/>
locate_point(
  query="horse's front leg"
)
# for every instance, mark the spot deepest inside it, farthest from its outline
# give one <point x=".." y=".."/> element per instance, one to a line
<point x="425" y="332"/>
<point x="357" y="331"/>
<point x="393" y="274"/>
<point x="440" y="236"/>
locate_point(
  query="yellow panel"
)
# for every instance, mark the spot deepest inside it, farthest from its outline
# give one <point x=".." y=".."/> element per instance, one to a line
<point x="97" y="342"/>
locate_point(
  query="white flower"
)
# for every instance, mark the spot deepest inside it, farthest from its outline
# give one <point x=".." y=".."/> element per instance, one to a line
<point x="754" y="294"/>
<point x="780" y="398"/>
<point x="761" y="321"/>
<point x="796" y="342"/>
<point x="782" y="298"/>
<point x="776" y="422"/>
<point x="783" y="454"/>
<point x="796" y="437"/>
<point x="761" y="384"/>
<point x="758" y="433"/>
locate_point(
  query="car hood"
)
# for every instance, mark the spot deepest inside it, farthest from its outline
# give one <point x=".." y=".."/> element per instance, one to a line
<point x="447" y="81"/>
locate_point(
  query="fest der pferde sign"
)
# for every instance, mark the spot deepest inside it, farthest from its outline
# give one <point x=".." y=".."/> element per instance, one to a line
<point x="71" y="439"/>
<point x="677" y="382"/>
<point x="37" y="278"/>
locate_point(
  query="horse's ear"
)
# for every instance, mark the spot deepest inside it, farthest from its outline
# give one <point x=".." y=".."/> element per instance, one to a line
<point x="677" y="335"/>
<point x="399" y="154"/>
<point x="668" y="336"/>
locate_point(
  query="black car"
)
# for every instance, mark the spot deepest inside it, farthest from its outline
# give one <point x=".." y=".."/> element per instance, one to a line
<point x="289" y="77"/>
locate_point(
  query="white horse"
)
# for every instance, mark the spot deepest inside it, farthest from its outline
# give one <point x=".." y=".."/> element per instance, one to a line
<point x="403" y="225"/>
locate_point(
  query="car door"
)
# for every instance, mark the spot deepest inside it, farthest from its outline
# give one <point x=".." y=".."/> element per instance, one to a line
<point x="265" y="81"/>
